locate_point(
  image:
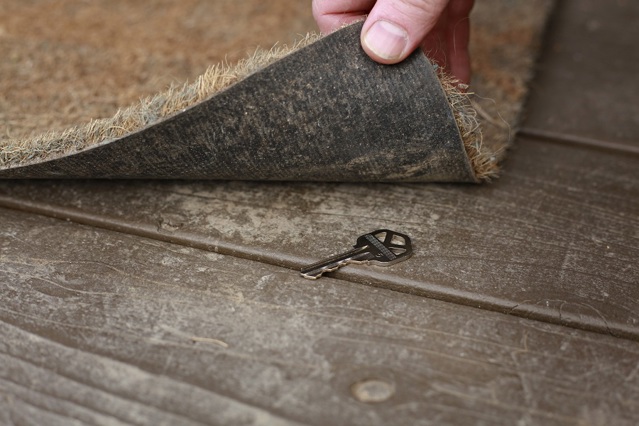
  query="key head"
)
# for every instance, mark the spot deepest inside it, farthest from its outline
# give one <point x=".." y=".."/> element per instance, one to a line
<point x="386" y="247"/>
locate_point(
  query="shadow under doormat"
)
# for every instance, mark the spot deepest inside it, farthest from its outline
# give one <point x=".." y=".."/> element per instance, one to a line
<point x="321" y="111"/>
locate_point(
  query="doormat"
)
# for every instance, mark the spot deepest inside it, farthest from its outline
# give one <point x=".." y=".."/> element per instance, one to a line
<point x="319" y="111"/>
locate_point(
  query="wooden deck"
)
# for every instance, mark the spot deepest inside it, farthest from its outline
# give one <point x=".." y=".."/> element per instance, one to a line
<point x="177" y="302"/>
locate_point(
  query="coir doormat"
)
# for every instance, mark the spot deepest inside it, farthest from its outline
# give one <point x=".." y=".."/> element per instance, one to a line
<point x="319" y="111"/>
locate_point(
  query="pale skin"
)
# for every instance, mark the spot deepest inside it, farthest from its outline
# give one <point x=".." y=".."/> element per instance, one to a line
<point x="393" y="29"/>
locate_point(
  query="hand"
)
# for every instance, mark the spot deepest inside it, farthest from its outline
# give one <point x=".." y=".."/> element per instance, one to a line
<point x="395" y="28"/>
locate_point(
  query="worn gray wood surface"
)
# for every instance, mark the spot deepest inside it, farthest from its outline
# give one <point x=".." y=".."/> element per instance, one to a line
<point x="554" y="239"/>
<point x="99" y="327"/>
<point x="586" y="88"/>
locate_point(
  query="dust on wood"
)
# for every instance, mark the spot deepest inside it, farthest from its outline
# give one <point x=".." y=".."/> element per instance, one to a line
<point x="98" y="327"/>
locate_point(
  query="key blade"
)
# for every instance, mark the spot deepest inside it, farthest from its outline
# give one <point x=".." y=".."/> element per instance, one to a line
<point x="359" y="254"/>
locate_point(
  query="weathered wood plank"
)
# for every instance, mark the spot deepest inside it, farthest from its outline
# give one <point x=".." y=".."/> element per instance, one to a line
<point x="585" y="90"/>
<point x="555" y="239"/>
<point x="100" y="327"/>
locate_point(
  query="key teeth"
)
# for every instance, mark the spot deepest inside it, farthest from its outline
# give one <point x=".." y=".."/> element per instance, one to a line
<point x="310" y="277"/>
<point x="335" y="268"/>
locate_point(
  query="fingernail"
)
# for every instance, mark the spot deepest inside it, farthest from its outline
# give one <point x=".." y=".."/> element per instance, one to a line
<point x="386" y="40"/>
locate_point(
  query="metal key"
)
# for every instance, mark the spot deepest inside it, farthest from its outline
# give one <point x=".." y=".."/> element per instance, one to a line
<point x="383" y="247"/>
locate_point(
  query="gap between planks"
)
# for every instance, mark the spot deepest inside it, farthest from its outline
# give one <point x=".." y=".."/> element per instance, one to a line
<point x="579" y="141"/>
<point x="365" y="276"/>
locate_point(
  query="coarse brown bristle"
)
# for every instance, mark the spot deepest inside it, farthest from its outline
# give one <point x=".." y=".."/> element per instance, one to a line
<point x="482" y="159"/>
<point x="148" y="111"/>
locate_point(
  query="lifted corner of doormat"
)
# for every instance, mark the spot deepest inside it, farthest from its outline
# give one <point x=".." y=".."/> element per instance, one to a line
<point x="324" y="112"/>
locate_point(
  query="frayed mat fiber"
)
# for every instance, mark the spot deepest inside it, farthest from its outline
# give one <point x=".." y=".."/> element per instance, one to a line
<point x="482" y="159"/>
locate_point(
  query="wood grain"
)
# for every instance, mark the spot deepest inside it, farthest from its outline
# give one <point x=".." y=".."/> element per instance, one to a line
<point x="555" y="239"/>
<point x="585" y="90"/>
<point x="98" y="327"/>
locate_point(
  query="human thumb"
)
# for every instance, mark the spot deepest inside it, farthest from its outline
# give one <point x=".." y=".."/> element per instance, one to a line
<point x="394" y="28"/>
